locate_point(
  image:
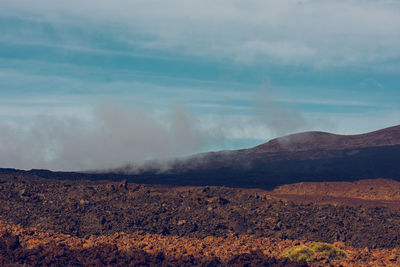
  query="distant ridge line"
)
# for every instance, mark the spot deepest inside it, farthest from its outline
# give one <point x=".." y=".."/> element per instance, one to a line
<point x="304" y="157"/>
<point x="316" y="140"/>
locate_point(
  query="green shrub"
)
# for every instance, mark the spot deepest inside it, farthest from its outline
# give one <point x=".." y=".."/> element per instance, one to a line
<point x="317" y="250"/>
<point x="327" y="251"/>
<point x="299" y="253"/>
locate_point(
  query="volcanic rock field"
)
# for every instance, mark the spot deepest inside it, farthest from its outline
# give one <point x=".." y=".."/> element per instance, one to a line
<point x="175" y="219"/>
<point x="98" y="210"/>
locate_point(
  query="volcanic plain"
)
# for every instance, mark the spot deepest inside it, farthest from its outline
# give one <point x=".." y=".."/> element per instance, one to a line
<point x="192" y="225"/>
<point x="99" y="219"/>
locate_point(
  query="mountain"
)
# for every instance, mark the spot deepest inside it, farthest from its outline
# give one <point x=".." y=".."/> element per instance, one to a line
<point x="302" y="157"/>
<point x="327" y="141"/>
<point x="298" y="149"/>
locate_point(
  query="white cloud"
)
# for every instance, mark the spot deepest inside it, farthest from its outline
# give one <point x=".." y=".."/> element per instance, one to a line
<point x="110" y="137"/>
<point x="316" y="33"/>
<point x="311" y="33"/>
<point x="354" y="123"/>
<point x="78" y="138"/>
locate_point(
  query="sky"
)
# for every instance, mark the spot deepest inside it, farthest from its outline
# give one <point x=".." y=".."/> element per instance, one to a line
<point x="95" y="84"/>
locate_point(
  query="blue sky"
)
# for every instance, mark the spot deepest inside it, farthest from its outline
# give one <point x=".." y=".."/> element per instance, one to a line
<point x="191" y="75"/>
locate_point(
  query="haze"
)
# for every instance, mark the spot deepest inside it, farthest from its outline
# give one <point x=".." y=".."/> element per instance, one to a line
<point x="98" y="84"/>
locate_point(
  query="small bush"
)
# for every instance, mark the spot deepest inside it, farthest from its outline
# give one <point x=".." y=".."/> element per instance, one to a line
<point x="299" y="253"/>
<point x="316" y="250"/>
<point x="327" y="251"/>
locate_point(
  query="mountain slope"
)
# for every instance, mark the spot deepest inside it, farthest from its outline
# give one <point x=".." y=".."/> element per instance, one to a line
<point x="327" y="141"/>
<point x="309" y="156"/>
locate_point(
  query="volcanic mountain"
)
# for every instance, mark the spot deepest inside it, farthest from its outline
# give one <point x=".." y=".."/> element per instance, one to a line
<point x="309" y="156"/>
<point x="326" y="141"/>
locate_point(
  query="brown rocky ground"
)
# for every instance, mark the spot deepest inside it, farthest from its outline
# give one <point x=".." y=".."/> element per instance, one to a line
<point x="366" y="193"/>
<point x="83" y="222"/>
<point x="30" y="246"/>
<point x="369" y="189"/>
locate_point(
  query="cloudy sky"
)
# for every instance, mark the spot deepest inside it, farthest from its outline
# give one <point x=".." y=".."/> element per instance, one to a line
<point x="97" y="84"/>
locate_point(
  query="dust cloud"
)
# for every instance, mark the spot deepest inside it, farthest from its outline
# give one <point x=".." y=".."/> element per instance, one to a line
<point x="113" y="136"/>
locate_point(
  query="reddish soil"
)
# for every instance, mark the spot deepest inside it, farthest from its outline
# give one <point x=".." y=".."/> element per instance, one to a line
<point x="102" y="223"/>
<point x="371" y="189"/>
<point x="367" y="193"/>
<point x="84" y="208"/>
<point x="30" y="246"/>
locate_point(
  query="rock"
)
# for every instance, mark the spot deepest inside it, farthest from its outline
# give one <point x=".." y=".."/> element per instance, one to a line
<point x="205" y="189"/>
<point x="217" y="200"/>
<point x="181" y="222"/>
<point x="393" y="257"/>
<point x="11" y="242"/>
<point x="340" y="244"/>
<point x="83" y="202"/>
<point x="123" y="184"/>
<point x="110" y="187"/>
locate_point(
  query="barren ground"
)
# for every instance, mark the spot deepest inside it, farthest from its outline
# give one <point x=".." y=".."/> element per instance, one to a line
<point x="194" y="225"/>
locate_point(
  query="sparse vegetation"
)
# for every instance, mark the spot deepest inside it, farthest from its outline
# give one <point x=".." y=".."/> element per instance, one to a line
<point x="316" y="250"/>
<point x="327" y="251"/>
<point x="299" y="253"/>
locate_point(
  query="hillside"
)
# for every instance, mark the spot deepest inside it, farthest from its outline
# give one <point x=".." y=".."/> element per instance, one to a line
<point x="309" y="156"/>
<point x="326" y="141"/>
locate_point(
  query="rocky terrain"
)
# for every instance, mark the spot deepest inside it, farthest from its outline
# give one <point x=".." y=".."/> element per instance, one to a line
<point x="30" y="246"/>
<point x="234" y="208"/>
<point x="88" y="208"/>
<point x="368" y="193"/>
<point x="184" y="225"/>
<point x="376" y="189"/>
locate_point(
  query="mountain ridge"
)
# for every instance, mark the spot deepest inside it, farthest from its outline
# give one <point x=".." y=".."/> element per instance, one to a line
<point x="302" y="141"/>
<point x="313" y="157"/>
